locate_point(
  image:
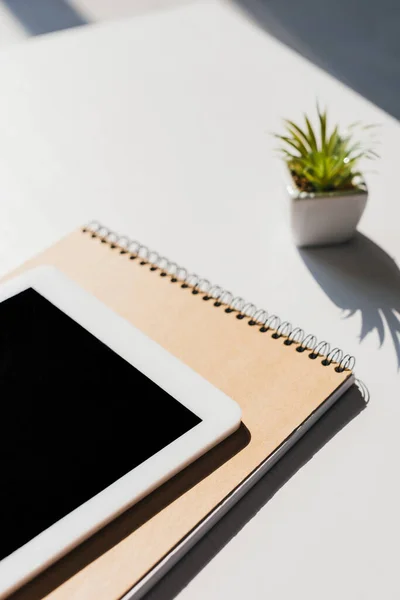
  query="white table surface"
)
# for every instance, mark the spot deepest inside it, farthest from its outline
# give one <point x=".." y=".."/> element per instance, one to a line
<point x="159" y="126"/>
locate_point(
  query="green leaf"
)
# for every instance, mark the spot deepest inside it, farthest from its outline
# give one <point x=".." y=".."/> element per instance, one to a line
<point x="285" y="152"/>
<point x="333" y="141"/>
<point x="322" y="122"/>
<point x="301" y="147"/>
<point x="311" y="135"/>
<point x="291" y="143"/>
<point x="371" y="126"/>
<point x="332" y="162"/>
<point x="353" y="148"/>
<point x="355" y="124"/>
<point x="300" y="133"/>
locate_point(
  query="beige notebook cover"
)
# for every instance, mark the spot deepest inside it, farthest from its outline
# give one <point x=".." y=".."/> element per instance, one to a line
<point x="239" y="351"/>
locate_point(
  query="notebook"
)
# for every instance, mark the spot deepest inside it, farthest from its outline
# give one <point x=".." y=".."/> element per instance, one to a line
<point x="282" y="378"/>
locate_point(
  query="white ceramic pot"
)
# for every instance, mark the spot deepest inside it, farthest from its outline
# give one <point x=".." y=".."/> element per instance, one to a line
<point x="321" y="219"/>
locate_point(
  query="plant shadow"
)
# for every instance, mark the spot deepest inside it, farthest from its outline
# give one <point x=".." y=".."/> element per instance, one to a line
<point x="345" y="410"/>
<point x="360" y="276"/>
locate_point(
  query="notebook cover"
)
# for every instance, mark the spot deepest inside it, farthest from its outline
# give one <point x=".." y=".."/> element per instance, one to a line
<point x="277" y="388"/>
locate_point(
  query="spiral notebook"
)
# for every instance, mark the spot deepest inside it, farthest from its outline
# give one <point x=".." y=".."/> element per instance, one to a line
<point x="283" y="379"/>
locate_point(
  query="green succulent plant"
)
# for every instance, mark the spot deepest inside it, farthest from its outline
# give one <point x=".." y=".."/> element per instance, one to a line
<point x="320" y="160"/>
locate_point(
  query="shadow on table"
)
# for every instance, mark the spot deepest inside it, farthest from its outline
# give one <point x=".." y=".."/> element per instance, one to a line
<point x="132" y="519"/>
<point x="355" y="41"/>
<point x="360" y="276"/>
<point x="44" y="16"/>
<point x="348" y="407"/>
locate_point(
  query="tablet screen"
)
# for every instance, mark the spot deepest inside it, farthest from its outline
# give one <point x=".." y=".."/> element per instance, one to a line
<point x="75" y="417"/>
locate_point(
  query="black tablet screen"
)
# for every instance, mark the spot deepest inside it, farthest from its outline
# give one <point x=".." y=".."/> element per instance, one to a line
<point x="75" y="417"/>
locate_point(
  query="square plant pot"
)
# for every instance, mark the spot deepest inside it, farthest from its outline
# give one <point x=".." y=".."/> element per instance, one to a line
<point x="325" y="218"/>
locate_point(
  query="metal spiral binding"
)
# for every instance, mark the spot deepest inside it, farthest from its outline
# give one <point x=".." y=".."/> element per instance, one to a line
<point x="222" y="297"/>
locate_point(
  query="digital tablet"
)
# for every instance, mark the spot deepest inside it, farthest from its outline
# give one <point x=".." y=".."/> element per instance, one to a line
<point x="94" y="415"/>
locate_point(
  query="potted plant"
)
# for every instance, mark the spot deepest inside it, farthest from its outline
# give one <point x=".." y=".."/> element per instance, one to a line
<point x="327" y="190"/>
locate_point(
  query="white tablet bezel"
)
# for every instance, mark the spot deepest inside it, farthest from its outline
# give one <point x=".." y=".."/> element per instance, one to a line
<point x="220" y="416"/>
